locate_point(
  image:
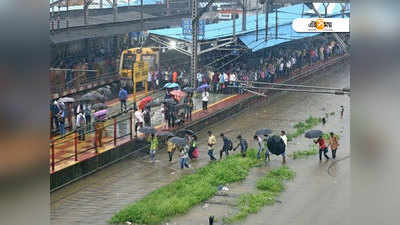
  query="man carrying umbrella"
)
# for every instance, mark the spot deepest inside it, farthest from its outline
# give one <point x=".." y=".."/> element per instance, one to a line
<point x="122" y="95"/>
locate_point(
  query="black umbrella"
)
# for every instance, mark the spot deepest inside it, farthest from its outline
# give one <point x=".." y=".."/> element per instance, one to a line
<point x="313" y="134"/>
<point x="164" y="134"/>
<point x="177" y="141"/>
<point x="147" y="130"/>
<point x="276" y="145"/>
<point x="189" y="89"/>
<point x="263" y="132"/>
<point x="182" y="133"/>
<point x="99" y="106"/>
<point x="105" y="91"/>
<point x="169" y="101"/>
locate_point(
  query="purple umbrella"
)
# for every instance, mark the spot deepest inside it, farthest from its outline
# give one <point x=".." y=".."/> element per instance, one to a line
<point x="202" y="87"/>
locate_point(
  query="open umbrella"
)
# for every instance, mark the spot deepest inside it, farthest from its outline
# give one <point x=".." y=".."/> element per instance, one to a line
<point x="174" y="85"/>
<point x="66" y="100"/>
<point x="164" y="134"/>
<point x="276" y="145"/>
<point x="177" y="141"/>
<point x="177" y="94"/>
<point x="188" y="89"/>
<point x="169" y="101"/>
<point x="105" y="92"/>
<point x="147" y="130"/>
<point x="93" y="96"/>
<point x="202" y="87"/>
<point x="182" y="133"/>
<point x="101" y="115"/>
<point x="167" y="85"/>
<point x="263" y="131"/>
<point x="99" y="106"/>
<point x="144" y="101"/>
<point x="313" y="134"/>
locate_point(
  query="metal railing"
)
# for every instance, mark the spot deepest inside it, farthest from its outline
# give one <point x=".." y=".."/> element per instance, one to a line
<point x="111" y="130"/>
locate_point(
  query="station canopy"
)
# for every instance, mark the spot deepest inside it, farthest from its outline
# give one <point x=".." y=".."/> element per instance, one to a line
<point x="286" y="15"/>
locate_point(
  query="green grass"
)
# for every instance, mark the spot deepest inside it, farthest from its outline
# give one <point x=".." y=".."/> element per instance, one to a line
<point x="302" y="127"/>
<point x="181" y="195"/>
<point x="269" y="186"/>
<point x="305" y="153"/>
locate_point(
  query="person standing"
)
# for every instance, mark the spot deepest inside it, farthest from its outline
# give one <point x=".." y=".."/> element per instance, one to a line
<point x="139" y="121"/>
<point x="265" y="141"/>
<point x="322" y="148"/>
<point x="88" y="116"/>
<point x="284" y="138"/>
<point x="211" y="143"/>
<point x="122" y="95"/>
<point x="61" y="121"/>
<point x="341" y="111"/>
<point x="243" y="145"/>
<point x="80" y="125"/>
<point x="204" y="99"/>
<point x="260" y="143"/>
<point x="147" y="117"/>
<point x="333" y="143"/>
<point x="226" y="147"/>
<point x="153" y="147"/>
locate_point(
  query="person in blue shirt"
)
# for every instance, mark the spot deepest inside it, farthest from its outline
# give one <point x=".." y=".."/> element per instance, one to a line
<point x="123" y="95"/>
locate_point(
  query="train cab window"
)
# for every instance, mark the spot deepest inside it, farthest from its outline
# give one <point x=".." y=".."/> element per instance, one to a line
<point x="129" y="59"/>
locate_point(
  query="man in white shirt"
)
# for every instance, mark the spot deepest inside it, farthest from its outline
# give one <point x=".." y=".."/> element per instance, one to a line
<point x="204" y="99"/>
<point x="139" y="121"/>
<point x="80" y="125"/>
<point x="284" y="138"/>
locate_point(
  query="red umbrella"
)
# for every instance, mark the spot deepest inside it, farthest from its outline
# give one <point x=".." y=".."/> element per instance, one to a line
<point x="144" y="102"/>
<point x="178" y="94"/>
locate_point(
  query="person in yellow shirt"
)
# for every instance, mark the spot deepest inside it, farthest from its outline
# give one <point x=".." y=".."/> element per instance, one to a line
<point x="211" y="143"/>
<point x="153" y="146"/>
<point x="171" y="149"/>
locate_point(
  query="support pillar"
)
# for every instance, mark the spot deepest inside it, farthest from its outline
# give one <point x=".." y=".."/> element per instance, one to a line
<point x="194" y="56"/>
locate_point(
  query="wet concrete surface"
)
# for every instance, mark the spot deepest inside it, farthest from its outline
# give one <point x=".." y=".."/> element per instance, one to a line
<point x="316" y="198"/>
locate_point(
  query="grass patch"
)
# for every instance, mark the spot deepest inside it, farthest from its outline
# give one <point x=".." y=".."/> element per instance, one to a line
<point x="270" y="186"/>
<point x="302" y="127"/>
<point x="181" y="195"/>
<point x="305" y="153"/>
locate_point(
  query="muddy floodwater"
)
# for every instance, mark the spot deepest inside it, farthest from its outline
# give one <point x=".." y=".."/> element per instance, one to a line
<point x="318" y="195"/>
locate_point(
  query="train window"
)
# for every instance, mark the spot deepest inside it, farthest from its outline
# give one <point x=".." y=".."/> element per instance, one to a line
<point x="129" y="59"/>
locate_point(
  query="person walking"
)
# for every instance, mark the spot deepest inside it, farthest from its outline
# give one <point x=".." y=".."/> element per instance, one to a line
<point x="147" y="117"/>
<point x="204" y="99"/>
<point x="61" y="121"/>
<point x="226" y="147"/>
<point x="284" y="138"/>
<point x="333" y="143"/>
<point x="88" y="116"/>
<point x="80" y="125"/>
<point x="184" y="155"/>
<point x="243" y="145"/>
<point x="260" y="143"/>
<point x="265" y="141"/>
<point x="211" y="143"/>
<point x="188" y="106"/>
<point x="123" y="95"/>
<point x="171" y="149"/>
<point x="322" y="147"/>
<point x="153" y="147"/>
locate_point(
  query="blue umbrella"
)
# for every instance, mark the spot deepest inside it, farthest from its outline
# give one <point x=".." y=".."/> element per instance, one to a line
<point x="167" y="85"/>
<point x="202" y="87"/>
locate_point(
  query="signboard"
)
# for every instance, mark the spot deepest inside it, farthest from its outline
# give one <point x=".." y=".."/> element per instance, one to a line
<point x="187" y="27"/>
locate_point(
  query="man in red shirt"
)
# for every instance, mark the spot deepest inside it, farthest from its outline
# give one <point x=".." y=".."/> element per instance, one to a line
<point x="322" y="147"/>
